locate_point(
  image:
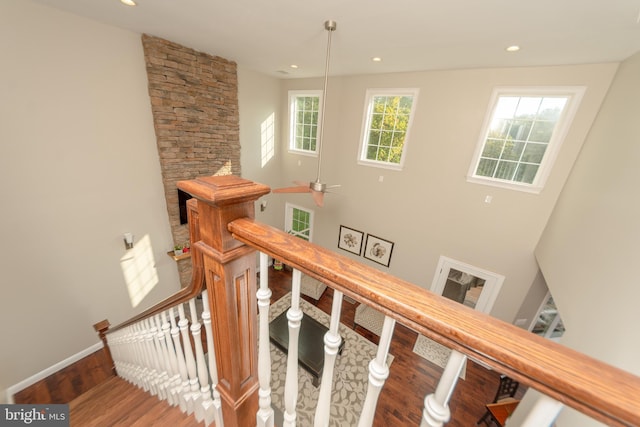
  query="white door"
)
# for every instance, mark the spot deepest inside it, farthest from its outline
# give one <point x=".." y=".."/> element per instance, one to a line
<point x="466" y="284"/>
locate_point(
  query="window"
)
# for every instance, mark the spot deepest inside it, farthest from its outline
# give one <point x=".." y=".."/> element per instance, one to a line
<point x="385" y="131"/>
<point x="304" y="117"/>
<point x="522" y="136"/>
<point x="299" y="221"/>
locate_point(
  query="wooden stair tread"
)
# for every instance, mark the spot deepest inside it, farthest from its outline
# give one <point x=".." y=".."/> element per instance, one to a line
<point x="115" y="402"/>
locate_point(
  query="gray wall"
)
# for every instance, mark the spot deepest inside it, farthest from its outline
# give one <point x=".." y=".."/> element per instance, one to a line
<point x="589" y="250"/>
<point x="429" y="209"/>
<point x="79" y="167"/>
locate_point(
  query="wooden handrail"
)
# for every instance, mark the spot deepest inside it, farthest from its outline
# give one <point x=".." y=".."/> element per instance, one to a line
<point x="602" y="391"/>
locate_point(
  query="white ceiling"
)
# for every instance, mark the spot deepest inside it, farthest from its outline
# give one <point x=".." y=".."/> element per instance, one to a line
<point x="270" y="35"/>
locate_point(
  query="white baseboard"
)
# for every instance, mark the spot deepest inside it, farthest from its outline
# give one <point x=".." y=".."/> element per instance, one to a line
<point x="50" y="370"/>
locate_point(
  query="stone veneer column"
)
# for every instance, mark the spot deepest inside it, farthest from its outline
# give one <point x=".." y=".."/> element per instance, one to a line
<point x="194" y="101"/>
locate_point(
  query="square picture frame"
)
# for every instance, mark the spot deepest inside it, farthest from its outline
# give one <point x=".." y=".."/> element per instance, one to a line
<point x="378" y="250"/>
<point x="350" y="240"/>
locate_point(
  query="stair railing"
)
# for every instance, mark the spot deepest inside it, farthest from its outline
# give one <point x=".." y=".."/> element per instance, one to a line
<point x="225" y="237"/>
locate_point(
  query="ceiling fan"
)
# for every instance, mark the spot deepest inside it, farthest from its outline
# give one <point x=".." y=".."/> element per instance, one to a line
<point x="317" y="188"/>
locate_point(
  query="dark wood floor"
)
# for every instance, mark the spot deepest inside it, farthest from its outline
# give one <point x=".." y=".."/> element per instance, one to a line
<point x="411" y="377"/>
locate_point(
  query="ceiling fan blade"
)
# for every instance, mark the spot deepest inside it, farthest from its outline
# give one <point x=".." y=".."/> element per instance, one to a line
<point x="297" y="189"/>
<point x="318" y="198"/>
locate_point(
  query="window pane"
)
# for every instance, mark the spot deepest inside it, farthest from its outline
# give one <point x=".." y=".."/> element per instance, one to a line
<point x="526" y="173"/>
<point x="372" y="152"/>
<point x="385" y="139"/>
<point x="528" y="107"/>
<point x="505" y="170"/>
<point x="513" y="150"/>
<point x="551" y="108"/>
<point x="542" y="131"/>
<point x="492" y="148"/>
<point x="533" y="153"/>
<point x="520" y="130"/>
<point x="499" y="128"/>
<point x="486" y="167"/>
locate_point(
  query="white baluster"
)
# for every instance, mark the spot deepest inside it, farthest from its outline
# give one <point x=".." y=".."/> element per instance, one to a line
<point x="146" y="341"/>
<point x="212" y="409"/>
<point x="163" y="357"/>
<point x="378" y="373"/>
<point x="191" y="393"/>
<point x="544" y="412"/>
<point x="436" y="405"/>
<point x="265" y="411"/>
<point x="332" y="342"/>
<point x="201" y="367"/>
<point x="182" y="385"/>
<point x="151" y="351"/>
<point x="294" y="315"/>
<point x="174" y="378"/>
<point x="143" y="363"/>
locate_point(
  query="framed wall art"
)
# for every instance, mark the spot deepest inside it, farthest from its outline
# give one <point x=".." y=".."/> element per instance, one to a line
<point x="378" y="250"/>
<point x="350" y="240"/>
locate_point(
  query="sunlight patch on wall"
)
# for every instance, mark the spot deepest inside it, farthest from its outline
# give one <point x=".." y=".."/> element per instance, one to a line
<point x="267" y="139"/>
<point x="139" y="269"/>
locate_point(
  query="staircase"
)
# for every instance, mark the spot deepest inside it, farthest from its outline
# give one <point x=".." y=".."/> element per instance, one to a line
<point x="115" y="402"/>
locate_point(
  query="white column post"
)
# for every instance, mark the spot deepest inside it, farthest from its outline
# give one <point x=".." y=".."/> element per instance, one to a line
<point x="201" y="367"/>
<point x="174" y="378"/>
<point x="182" y="385"/>
<point x="264" y="417"/>
<point x="332" y="342"/>
<point x="294" y="315"/>
<point x="378" y="373"/>
<point x="436" y="405"/>
<point x="189" y="390"/>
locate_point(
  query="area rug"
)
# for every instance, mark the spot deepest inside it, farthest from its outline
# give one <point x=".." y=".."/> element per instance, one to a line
<point x="434" y="353"/>
<point x="351" y="373"/>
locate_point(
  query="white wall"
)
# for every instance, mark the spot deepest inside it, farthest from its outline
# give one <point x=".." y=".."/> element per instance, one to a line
<point x="259" y="100"/>
<point x="79" y="167"/>
<point x="429" y="209"/>
<point x="589" y="250"/>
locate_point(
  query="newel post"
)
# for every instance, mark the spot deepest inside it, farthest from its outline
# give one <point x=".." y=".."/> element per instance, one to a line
<point x="101" y="328"/>
<point x="229" y="270"/>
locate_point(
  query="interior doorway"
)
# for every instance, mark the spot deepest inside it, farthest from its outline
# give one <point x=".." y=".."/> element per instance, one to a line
<point x="466" y="284"/>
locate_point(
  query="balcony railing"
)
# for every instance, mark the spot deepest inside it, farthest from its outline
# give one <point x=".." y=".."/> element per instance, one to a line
<point x="225" y="238"/>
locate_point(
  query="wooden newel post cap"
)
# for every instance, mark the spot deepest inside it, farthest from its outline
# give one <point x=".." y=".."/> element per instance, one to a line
<point x="102" y="326"/>
<point x="224" y="190"/>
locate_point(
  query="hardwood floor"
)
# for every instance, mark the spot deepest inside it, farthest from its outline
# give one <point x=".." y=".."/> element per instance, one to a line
<point x="68" y="383"/>
<point x="116" y="402"/>
<point x="411" y="377"/>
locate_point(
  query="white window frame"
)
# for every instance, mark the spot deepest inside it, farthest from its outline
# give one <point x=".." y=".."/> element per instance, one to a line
<point x="366" y="123"/>
<point x="574" y="95"/>
<point x="288" y="218"/>
<point x="293" y="95"/>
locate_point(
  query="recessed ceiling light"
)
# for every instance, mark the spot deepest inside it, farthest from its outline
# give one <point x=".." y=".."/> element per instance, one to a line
<point x="294" y="66"/>
<point x="513" y="48"/>
<point x="128" y="2"/>
<point x="376" y="59"/>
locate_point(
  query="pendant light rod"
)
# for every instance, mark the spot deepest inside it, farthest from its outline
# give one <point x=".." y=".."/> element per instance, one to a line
<point x="330" y="26"/>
